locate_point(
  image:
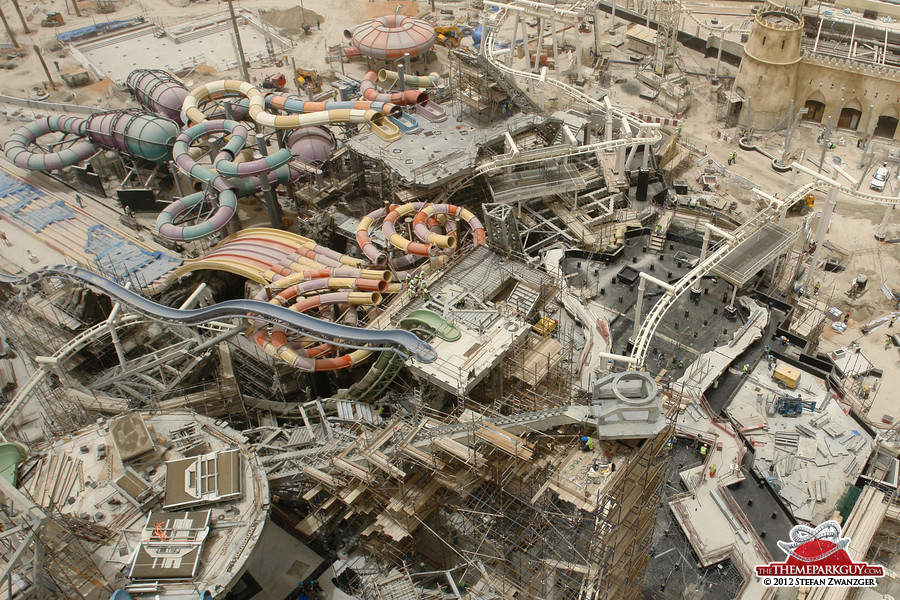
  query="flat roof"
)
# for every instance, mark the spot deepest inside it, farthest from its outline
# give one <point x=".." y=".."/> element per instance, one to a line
<point x="170" y="545"/>
<point x="201" y="479"/>
<point x="131" y="436"/>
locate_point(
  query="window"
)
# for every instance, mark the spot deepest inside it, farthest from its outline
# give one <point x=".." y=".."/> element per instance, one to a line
<point x="782" y="44"/>
<point x="764" y="41"/>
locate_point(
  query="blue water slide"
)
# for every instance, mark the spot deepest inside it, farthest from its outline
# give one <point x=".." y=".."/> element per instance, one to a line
<point x="403" y="342"/>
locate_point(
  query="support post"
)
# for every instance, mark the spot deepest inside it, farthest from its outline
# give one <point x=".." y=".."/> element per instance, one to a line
<point x="612" y="23"/>
<point x="512" y="43"/>
<point x="44" y="65"/>
<point x="828" y="128"/>
<point x="540" y="45"/>
<point x="718" y="58"/>
<point x="9" y="31"/>
<point x="642" y="286"/>
<point x="553" y="38"/>
<point x="21" y="17"/>
<point x="821" y="230"/>
<point x="879" y="233"/>
<point x="237" y="40"/>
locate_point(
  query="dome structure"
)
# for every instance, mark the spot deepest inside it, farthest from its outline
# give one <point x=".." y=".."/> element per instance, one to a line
<point x="392" y="36"/>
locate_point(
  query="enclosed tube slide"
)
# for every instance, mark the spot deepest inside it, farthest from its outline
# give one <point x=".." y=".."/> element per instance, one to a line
<point x="16" y="147"/>
<point x="430" y="80"/>
<point x="308" y="359"/>
<point x="368" y="91"/>
<point x="295" y="104"/>
<point x="224" y="166"/>
<point x="393" y="36"/>
<point x="158" y="91"/>
<point x="377" y="122"/>
<point x="388" y="228"/>
<point x="318" y="329"/>
<point x="135" y="133"/>
<point x="423" y="232"/>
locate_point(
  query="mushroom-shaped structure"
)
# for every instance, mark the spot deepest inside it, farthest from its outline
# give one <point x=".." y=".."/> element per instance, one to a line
<point x="392" y="36"/>
<point x="312" y="145"/>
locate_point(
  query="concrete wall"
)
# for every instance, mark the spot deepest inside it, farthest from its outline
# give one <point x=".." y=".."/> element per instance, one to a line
<point x="829" y="79"/>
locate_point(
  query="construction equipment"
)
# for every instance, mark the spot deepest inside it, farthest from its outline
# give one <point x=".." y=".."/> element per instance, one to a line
<point x="789" y="406"/>
<point x="309" y="80"/>
<point x="449" y="37"/>
<point x="53" y="19"/>
<point x="545" y="326"/>
<point x="786" y="376"/>
<point x="274" y="82"/>
<point x="804" y="205"/>
<point x="76" y="78"/>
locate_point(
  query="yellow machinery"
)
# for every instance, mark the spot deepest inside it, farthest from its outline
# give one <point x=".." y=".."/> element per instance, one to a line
<point x="786" y="376"/>
<point x="309" y="79"/>
<point x="448" y="36"/>
<point x="804" y="205"/>
<point x="53" y="19"/>
<point x="545" y="326"/>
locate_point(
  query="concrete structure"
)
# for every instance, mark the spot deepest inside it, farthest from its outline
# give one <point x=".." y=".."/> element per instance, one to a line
<point x="838" y="71"/>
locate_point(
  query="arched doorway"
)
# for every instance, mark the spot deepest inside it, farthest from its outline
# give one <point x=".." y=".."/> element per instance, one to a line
<point x="815" y="107"/>
<point x="886" y="125"/>
<point x="850" y="115"/>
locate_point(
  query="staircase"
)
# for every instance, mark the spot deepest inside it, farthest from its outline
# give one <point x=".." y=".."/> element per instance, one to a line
<point x="658" y="236"/>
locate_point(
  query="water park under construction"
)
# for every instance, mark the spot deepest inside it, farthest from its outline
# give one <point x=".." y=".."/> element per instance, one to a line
<point x="481" y="300"/>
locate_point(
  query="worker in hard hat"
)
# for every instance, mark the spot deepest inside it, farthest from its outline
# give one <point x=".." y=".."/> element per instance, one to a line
<point x="587" y="444"/>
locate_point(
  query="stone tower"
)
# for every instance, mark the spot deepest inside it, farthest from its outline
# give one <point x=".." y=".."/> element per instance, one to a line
<point x="768" y="70"/>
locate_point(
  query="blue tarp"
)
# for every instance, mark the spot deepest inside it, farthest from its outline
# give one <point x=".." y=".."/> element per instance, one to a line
<point x="98" y="29"/>
<point x="124" y="259"/>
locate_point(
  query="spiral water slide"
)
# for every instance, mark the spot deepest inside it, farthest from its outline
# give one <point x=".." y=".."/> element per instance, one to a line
<point x="191" y="112"/>
<point x="431" y="241"/>
<point x="224" y="166"/>
<point x="131" y="132"/>
<point x="397" y="340"/>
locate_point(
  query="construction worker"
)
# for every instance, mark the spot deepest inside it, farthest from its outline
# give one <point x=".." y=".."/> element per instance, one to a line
<point x="846" y="318"/>
<point x="704" y="449"/>
<point x="746" y="369"/>
<point x="891" y="324"/>
<point x="816" y="288"/>
<point x="78" y="200"/>
<point x="426" y="295"/>
<point x="716" y="384"/>
<point x="712" y="470"/>
<point x="587" y="444"/>
<point x="680" y="364"/>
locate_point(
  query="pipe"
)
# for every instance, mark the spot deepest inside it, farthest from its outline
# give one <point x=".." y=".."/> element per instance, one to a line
<point x="430" y="80"/>
<point x="368" y="91"/>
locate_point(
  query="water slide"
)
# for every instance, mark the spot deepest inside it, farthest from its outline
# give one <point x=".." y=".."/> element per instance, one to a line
<point x="404" y="342"/>
<point x="158" y="91"/>
<point x="131" y="132"/>
<point x="11" y="456"/>
<point x="430" y="323"/>
<point x="408" y="97"/>
<point x="296" y="104"/>
<point x="430" y="80"/>
<point x="224" y="166"/>
<point x="392" y="37"/>
<point x="191" y="112"/>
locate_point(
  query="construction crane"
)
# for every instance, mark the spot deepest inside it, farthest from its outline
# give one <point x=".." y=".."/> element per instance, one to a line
<point x="790" y="406"/>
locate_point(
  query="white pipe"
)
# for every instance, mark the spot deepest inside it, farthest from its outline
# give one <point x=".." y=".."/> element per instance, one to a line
<point x="194" y="298"/>
<point x="111" y="324"/>
<point x="845" y="174"/>
<point x="821" y="230"/>
<point x="818" y="176"/>
<point x="666" y="286"/>
<point x="617" y="357"/>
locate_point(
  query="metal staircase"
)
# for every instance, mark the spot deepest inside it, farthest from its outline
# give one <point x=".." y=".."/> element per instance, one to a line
<point x="506" y="83"/>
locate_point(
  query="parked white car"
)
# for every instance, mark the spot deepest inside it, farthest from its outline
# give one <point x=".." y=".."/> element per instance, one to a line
<point x="880" y="178"/>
